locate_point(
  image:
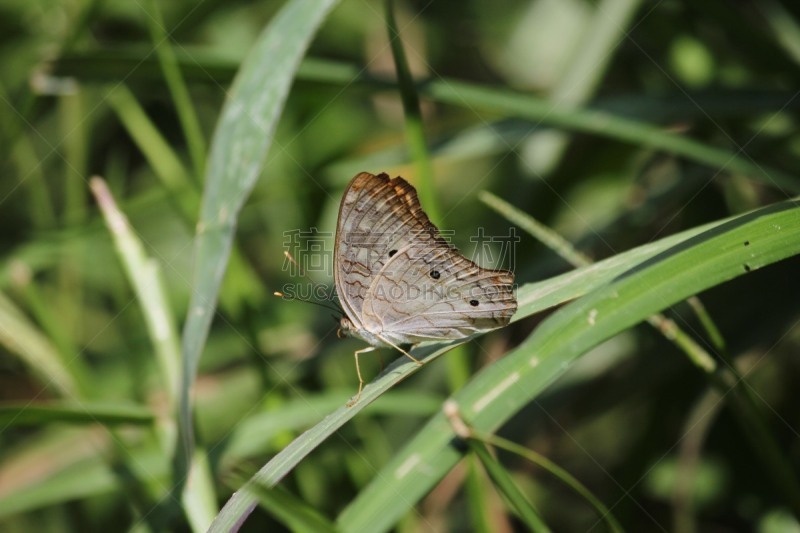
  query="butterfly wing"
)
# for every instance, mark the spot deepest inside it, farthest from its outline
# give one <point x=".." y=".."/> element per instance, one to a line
<point x="378" y="217"/>
<point x="434" y="293"/>
<point x="398" y="278"/>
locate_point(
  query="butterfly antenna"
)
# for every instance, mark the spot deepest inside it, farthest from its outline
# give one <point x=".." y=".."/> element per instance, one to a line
<point x="279" y="294"/>
<point x="305" y="276"/>
<point x="302" y="272"/>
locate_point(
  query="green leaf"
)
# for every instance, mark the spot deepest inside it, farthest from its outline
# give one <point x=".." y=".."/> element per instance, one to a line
<point x="177" y="86"/>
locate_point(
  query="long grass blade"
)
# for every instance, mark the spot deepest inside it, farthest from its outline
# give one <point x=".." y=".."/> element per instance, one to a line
<point x="241" y="141"/>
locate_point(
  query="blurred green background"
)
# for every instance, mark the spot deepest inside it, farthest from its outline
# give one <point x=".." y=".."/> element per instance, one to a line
<point x="83" y="93"/>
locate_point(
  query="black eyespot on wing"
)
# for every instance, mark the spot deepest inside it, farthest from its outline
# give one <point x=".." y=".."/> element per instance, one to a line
<point x="392" y="252"/>
<point x="473" y="303"/>
<point x="435" y="274"/>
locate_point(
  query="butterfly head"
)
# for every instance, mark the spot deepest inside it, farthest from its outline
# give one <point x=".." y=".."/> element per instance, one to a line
<point x="345" y="328"/>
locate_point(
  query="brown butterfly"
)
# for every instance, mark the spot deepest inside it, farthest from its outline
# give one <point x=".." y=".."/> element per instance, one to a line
<point x="399" y="282"/>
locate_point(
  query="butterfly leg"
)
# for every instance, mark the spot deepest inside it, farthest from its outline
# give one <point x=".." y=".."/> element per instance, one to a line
<point x="399" y="349"/>
<point x="354" y="400"/>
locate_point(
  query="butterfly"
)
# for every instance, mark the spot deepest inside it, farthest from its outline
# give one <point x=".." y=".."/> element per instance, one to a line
<point x="399" y="282"/>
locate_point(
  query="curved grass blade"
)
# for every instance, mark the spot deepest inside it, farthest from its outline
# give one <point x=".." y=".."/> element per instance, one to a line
<point x="506" y="486"/>
<point x="144" y="275"/>
<point x="605" y="124"/>
<point x="717" y="255"/>
<point x="241" y="141"/>
<point x="468" y="434"/>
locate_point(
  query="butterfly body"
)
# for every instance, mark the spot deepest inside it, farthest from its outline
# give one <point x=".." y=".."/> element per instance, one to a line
<point x="399" y="281"/>
<point x="348" y="329"/>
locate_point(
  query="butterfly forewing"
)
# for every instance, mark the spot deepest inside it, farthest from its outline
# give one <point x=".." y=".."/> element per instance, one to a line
<point x="377" y="217"/>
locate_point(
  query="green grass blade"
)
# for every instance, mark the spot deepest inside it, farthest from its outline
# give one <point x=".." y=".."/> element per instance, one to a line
<point x="587" y="120"/>
<point x="144" y="275"/>
<point x="198" y="65"/>
<point x="291" y="511"/>
<point x="507" y="487"/>
<point x="548" y="237"/>
<point x="241" y="141"/>
<point x="165" y="163"/>
<point x="605" y="124"/>
<point x="711" y="329"/>
<point x="476" y="492"/>
<point x="717" y="255"/>
<point x="177" y="86"/>
<point x="76" y="140"/>
<point x="784" y="27"/>
<point x="608" y="28"/>
<point x="415" y="132"/>
<point x="82" y="413"/>
<point x="556" y="471"/>
<point x="199" y="499"/>
<point x="21" y="337"/>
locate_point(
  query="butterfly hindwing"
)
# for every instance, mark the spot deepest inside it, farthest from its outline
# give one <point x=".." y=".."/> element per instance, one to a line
<point x="435" y="293"/>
